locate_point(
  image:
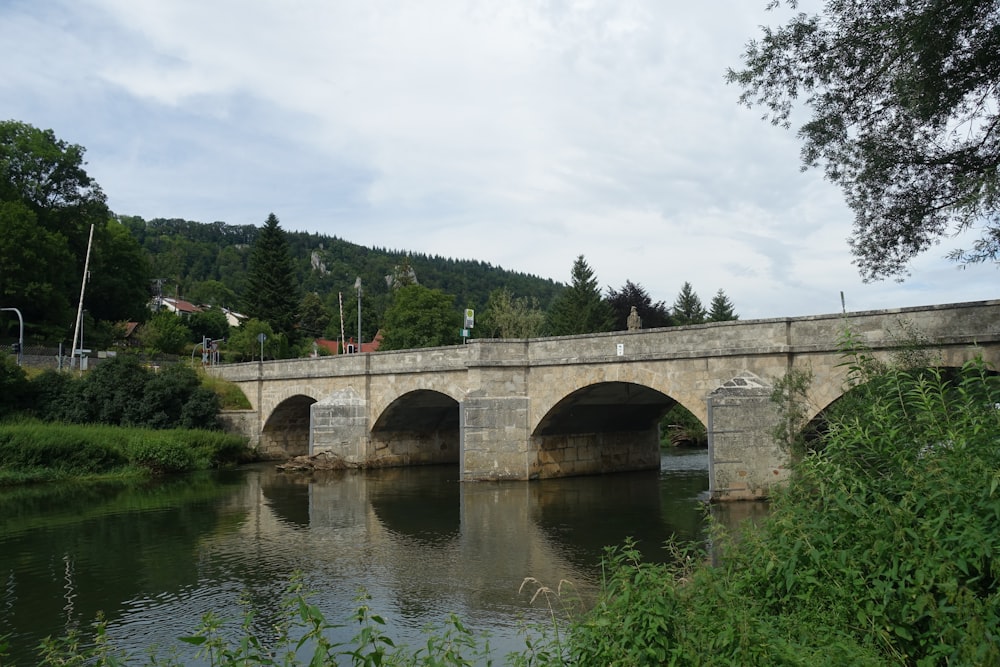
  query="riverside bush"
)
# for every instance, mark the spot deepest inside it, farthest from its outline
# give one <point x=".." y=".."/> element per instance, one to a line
<point x="13" y="385"/>
<point x="31" y="446"/>
<point x="122" y="392"/>
<point x="160" y="455"/>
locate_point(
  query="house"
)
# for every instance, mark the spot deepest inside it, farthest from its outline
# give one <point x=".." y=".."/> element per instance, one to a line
<point x="177" y="306"/>
<point x="235" y="319"/>
<point x="333" y="346"/>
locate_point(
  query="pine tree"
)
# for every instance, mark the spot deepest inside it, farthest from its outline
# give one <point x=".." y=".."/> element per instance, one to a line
<point x="687" y="307"/>
<point x="721" y="309"/>
<point x="272" y="291"/>
<point x="580" y="309"/>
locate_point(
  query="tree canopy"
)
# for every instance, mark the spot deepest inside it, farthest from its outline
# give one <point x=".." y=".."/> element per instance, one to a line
<point x="905" y="104"/>
<point x="721" y="309"/>
<point x="579" y="309"/>
<point x="621" y="301"/>
<point x="47" y="204"/>
<point x="420" y="317"/>
<point x="688" y="308"/>
<point x="508" y="316"/>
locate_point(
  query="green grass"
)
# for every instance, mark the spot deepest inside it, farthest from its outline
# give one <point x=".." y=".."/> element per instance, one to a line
<point x="33" y="451"/>
<point x="231" y="397"/>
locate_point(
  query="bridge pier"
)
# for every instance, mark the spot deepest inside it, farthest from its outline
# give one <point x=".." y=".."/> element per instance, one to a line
<point x="495" y="438"/>
<point x="745" y="462"/>
<point x="339" y="426"/>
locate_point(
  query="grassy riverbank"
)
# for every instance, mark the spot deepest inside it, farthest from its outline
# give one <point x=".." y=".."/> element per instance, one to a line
<point x="32" y="451"/>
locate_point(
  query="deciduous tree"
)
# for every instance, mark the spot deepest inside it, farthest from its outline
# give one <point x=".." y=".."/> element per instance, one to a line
<point x="119" y="288"/>
<point x="904" y="99"/>
<point x="314" y="317"/>
<point x="35" y="264"/>
<point x="508" y="316"/>
<point x="621" y="301"/>
<point x="420" y="317"/>
<point x="47" y="204"/>
<point x="211" y="323"/>
<point x="166" y="332"/>
<point x="244" y="345"/>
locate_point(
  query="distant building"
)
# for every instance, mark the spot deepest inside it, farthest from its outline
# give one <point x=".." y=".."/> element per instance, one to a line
<point x="333" y="346"/>
<point x="187" y="309"/>
<point x="235" y="319"/>
<point x="177" y="306"/>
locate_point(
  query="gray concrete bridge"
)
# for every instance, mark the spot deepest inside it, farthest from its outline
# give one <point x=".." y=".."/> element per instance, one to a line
<point x="575" y="405"/>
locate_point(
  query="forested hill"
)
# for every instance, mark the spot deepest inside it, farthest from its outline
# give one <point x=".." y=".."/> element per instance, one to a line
<point x="207" y="263"/>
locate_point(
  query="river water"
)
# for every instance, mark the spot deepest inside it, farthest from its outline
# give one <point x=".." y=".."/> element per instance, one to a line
<point x="153" y="559"/>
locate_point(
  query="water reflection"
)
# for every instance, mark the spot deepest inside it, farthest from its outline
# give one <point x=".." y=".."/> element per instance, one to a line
<point x="155" y="558"/>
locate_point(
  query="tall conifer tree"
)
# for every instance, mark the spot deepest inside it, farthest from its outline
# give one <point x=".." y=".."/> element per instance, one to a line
<point x="272" y="292"/>
<point x="687" y="307"/>
<point x="580" y="308"/>
<point x="721" y="309"/>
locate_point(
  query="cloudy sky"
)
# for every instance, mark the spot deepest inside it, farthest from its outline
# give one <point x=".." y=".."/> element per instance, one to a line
<point x="522" y="133"/>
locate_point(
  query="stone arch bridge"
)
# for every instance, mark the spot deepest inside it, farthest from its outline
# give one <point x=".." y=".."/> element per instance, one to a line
<point x="573" y="405"/>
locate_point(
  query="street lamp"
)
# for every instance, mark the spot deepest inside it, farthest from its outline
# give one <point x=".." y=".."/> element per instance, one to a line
<point x="20" y="333"/>
<point x="357" y="286"/>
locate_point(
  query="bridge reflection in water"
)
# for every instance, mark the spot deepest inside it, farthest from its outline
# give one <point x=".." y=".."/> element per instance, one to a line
<point x="424" y="544"/>
<point x="154" y="559"/>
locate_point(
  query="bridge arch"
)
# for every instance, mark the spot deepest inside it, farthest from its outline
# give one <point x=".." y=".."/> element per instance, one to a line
<point x="419" y="427"/>
<point x="604" y="407"/>
<point x="601" y="427"/>
<point x="286" y="432"/>
<point x="817" y="415"/>
<point x="556" y="384"/>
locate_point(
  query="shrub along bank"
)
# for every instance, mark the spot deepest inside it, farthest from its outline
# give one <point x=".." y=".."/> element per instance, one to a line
<point x="120" y="392"/>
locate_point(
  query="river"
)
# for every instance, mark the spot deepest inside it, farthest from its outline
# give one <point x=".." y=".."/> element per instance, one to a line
<point x="154" y="558"/>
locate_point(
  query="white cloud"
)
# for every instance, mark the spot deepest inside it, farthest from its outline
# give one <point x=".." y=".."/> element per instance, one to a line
<point x="518" y="133"/>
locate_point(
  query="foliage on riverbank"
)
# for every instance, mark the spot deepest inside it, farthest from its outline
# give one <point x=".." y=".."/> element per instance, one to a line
<point x="119" y="391"/>
<point x="32" y="451"/>
<point x="882" y="551"/>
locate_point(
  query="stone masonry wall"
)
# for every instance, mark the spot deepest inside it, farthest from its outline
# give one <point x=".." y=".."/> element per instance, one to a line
<point x="745" y="461"/>
<point x="594" y="453"/>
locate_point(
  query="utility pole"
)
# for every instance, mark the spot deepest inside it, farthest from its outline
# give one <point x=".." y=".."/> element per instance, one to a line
<point x="79" y="308"/>
<point x="357" y="286"/>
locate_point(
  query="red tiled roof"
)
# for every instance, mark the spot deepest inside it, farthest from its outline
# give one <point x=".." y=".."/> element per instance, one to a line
<point x="333" y="346"/>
